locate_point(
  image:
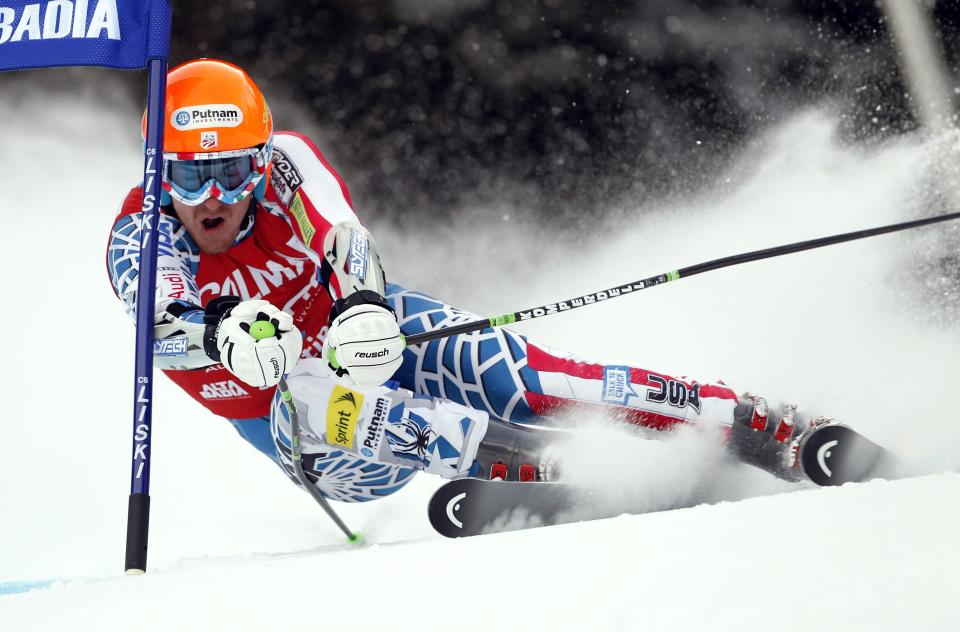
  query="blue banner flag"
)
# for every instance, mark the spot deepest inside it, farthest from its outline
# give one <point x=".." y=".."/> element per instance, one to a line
<point x="114" y="33"/>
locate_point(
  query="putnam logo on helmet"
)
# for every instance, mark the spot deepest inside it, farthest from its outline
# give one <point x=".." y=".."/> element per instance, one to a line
<point x="58" y="20"/>
<point x="206" y="116"/>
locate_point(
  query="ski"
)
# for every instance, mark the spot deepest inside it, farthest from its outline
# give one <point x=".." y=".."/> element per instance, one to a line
<point x="836" y="454"/>
<point x="831" y="455"/>
<point x="472" y="506"/>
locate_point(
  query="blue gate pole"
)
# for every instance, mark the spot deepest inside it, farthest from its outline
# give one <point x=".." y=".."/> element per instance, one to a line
<point x="138" y="506"/>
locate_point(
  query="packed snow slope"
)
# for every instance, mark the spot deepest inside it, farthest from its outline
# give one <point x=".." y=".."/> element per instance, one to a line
<point x="875" y="557"/>
<point x="233" y="545"/>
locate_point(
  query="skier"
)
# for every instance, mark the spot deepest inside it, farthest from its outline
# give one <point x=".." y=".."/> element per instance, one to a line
<point x="257" y="226"/>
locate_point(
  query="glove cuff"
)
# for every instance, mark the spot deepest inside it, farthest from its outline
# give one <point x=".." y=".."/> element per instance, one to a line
<point x="178" y="308"/>
<point x="360" y="297"/>
<point x="213" y="315"/>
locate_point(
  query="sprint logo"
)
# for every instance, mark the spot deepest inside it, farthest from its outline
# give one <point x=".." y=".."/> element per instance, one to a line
<point x="343" y="412"/>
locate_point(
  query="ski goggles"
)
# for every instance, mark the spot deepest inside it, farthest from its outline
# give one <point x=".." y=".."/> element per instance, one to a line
<point x="229" y="176"/>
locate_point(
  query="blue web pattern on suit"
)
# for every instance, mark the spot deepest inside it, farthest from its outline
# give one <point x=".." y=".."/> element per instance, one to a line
<point x="485" y="370"/>
<point x="123" y="253"/>
<point x="337" y="474"/>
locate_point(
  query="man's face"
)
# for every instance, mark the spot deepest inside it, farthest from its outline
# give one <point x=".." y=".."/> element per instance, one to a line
<point x="213" y="225"/>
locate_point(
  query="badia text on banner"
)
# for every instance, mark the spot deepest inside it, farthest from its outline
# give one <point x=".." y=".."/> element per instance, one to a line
<point x="113" y="33"/>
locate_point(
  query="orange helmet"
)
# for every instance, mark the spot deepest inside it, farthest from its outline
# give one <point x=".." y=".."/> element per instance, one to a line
<point x="218" y="134"/>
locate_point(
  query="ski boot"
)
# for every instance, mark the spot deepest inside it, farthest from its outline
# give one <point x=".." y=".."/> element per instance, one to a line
<point x="772" y="439"/>
<point x="511" y="452"/>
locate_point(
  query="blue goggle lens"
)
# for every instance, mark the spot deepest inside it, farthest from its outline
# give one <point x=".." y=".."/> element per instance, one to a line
<point x="193" y="175"/>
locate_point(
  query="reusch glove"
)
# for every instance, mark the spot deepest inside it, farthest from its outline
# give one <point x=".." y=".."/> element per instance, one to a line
<point x="258" y="362"/>
<point x="364" y="341"/>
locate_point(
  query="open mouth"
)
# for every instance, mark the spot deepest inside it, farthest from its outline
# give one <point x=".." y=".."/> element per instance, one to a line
<point x="212" y="223"/>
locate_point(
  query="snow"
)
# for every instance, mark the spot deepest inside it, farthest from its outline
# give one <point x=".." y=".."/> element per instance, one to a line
<point x="233" y="545"/>
<point x="877" y="556"/>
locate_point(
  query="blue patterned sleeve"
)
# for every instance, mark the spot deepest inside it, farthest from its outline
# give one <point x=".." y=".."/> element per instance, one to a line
<point x="177" y="262"/>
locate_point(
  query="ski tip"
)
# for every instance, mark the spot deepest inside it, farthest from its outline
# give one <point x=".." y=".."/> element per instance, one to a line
<point x="834" y="455"/>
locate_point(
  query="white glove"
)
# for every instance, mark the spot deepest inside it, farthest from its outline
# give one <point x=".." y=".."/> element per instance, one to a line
<point x="364" y="342"/>
<point x="258" y="362"/>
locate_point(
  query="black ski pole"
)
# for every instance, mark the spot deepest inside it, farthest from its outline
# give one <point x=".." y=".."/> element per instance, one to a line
<point x="666" y="277"/>
<point x="260" y="330"/>
<point x="287" y="398"/>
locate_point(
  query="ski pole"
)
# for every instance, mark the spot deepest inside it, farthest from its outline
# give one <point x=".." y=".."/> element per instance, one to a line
<point x="666" y="277"/>
<point x="287" y="398"/>
<point x="265" y="329"/>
